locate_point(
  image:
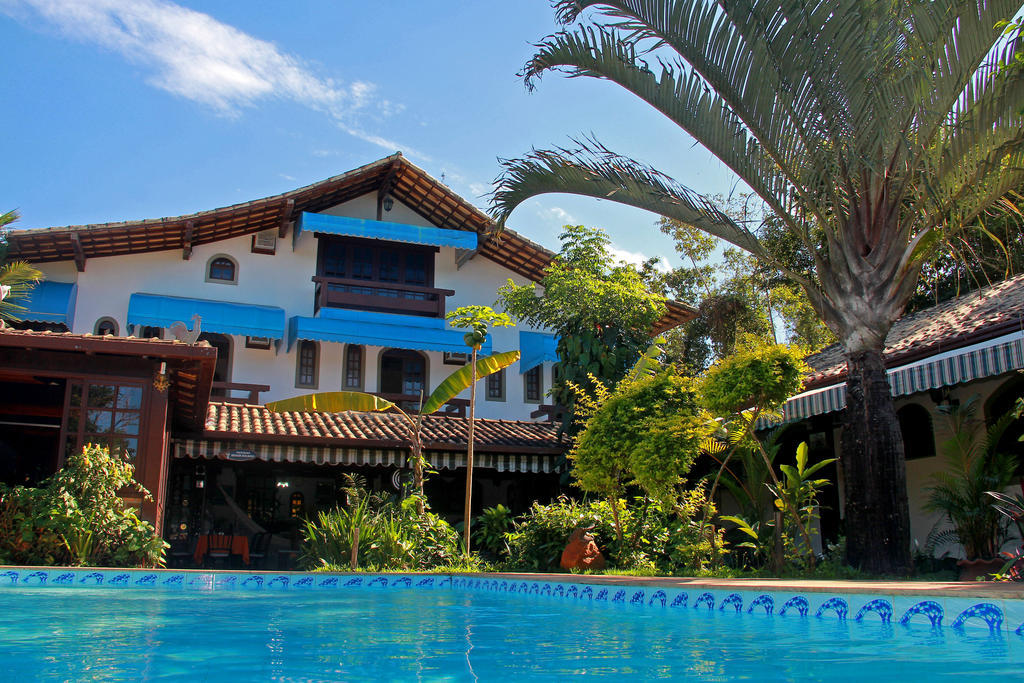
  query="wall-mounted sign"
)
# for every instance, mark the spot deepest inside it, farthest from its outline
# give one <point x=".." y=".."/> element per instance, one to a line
<point x="242" y="454"/>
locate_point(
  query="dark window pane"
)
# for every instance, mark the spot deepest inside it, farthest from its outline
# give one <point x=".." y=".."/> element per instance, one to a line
<point x="222" y="269"/>
<point x="416" y="268"/>
<point x="390" y="265"/>
<point x="362" y="263"/>
<point x="496" y="385"/>
<point x="412" y="381"/>
<point x="334" y="259"/>
<point x="353" y="367"/>
<point x="126" y="423"/>
<point x="307" y="364"/>
<point x="76" y="395"/>
<point x="533" y="384"/>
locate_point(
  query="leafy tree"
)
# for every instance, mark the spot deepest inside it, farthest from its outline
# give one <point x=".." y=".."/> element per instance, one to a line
<point x="873" y="130"/>
<point x="16" y="277"/>
<point x="476" y="319"/>
<point x="601" y="311"/>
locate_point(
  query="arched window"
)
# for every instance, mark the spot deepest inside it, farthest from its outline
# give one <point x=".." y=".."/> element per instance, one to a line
<point x="353" y="367"/>
<point x="307" y="365"/>
<point x="918" y="434"/>
<point x="222" y="268"/>
<point x="1002" y="401"/>
<point x="105" y="327"/>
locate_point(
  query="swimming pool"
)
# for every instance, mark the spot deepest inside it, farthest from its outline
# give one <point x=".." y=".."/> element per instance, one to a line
<point x="139" y="625"/>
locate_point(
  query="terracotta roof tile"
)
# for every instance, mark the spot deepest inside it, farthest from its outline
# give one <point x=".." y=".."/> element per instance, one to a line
<point x="974" y="317"/>
<point x="440" y="432"/>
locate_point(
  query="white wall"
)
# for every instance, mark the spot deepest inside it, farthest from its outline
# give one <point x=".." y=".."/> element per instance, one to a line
<point x="284" y="280"/>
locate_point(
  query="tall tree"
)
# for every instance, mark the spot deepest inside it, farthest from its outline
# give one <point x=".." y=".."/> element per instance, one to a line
<point x="873" y="130"/>
<point x="601" y="311"/>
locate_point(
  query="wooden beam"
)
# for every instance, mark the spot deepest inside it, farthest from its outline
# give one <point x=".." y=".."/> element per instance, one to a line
<point x="386" y="186"/>
<point x="286" y="216"/>
<point x="76" y="244"/>
<point x="186" y="242"/>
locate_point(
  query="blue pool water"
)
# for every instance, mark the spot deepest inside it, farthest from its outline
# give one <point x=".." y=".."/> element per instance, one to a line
<point x="85" y="633"/>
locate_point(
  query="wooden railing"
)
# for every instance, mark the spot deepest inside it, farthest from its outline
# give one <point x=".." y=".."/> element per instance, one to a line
<point x="456" y="407"/>
<point x="222" y="391"/>
<point x="372" y="295"/>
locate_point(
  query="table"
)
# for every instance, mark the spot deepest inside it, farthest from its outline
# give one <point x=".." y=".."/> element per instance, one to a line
<point x="239" y="546"/>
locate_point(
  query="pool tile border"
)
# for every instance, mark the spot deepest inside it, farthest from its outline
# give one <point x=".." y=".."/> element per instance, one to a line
<point x="1000" y="614"/>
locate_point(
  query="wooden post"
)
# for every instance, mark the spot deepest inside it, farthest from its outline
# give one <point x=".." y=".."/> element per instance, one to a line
<point x="469" y="458"/>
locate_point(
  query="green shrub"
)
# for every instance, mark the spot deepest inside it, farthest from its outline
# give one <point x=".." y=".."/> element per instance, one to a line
<point x="392" y="535"/>
<point x="655" y="538"/>
<point x="491" y="531"/>
<point x="76" y="517"/>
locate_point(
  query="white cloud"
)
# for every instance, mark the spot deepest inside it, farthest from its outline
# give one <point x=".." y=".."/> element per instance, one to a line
<point x="557" y="215"/>
<point x="637" y="258"/>
<point x="194" y="56"/>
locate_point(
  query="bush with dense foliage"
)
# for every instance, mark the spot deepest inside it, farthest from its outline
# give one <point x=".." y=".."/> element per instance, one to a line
<point x="656" y="538"/>
<point x="392" y="535"/>
<point x="76" y="517"/>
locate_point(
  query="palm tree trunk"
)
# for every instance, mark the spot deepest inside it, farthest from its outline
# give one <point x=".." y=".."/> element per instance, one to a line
<point x="469" y="458"/>
<point x="877" y="512"/>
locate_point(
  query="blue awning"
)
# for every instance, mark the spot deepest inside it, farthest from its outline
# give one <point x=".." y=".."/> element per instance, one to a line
<point x="536" y="347"/>
<point x="215" y="316"/>
<point x="50" y="302"/>
<point x="390" y="330"/>
<point x="382" y="230"/>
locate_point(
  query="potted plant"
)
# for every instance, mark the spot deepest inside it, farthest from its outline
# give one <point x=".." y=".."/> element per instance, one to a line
<point x="974" y="466"/>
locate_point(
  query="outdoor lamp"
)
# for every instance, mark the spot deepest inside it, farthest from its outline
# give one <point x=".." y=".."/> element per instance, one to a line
<point x="388" y="203"/>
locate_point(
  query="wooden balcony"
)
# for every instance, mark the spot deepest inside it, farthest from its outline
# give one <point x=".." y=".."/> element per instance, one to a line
<point x="373" y="295"/>
<point x="223" y="391"/>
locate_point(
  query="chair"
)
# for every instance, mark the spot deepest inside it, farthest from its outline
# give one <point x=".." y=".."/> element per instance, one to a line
<point x="218" y="549"/>
<point x="259" y="546"/>
<point x="182" y="550"/>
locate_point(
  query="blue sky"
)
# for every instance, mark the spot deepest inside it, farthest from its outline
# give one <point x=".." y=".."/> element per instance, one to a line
<point x="131" y="109"/>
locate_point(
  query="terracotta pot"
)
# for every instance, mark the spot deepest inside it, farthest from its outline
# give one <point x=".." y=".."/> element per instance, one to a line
<point x="970" y="570"/>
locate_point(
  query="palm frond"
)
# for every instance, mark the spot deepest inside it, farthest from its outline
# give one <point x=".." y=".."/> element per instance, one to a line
<point x="593" y="170"/>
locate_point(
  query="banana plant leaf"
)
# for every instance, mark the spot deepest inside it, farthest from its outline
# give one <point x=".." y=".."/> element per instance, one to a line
<point x="463" y="377"/>
<point x="332" y="402"/>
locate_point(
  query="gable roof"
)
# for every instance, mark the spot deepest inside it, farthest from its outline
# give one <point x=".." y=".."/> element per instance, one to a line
<point x="975" y="317"/>
<point x="394" y="175"/>
<point x="229" y="421"/>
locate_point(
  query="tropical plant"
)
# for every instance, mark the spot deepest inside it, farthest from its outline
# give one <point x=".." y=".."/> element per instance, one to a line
<point x="77" y="516"/>
<point x="875" y="131"/>
<point x="386" y="534"/>
<point x="1012" y="509"/>
<point x="340" y="401"/>
<point x="17" y="278"/>
<point x="601" y="310"/>
<point x="798" y="491"/>
<point x="974" y="466"/>
<point x="492" y="528"/>
<point x="476" y="319"/>
<point x="646" y="433"/>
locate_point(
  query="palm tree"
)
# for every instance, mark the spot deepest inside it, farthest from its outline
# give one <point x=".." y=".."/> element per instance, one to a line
<point x="16" y="277"/>
<point x="874" y="130"/>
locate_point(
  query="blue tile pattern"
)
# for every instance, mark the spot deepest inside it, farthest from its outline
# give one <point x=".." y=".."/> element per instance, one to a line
<point x="734" y="600"/>
<point x="882" y="607"/>
<point x="995" y="615"/>
<point x="799" y="602"/>
<point x="704" y="598"/>
<point x="837" y="604"/>
<point x="766" y="601"/>
<point x="992" y="615"/>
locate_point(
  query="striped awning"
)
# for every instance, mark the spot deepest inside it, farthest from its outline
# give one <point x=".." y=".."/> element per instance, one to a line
<point x="956" y="369"/>
<point x="379" y="457"/>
